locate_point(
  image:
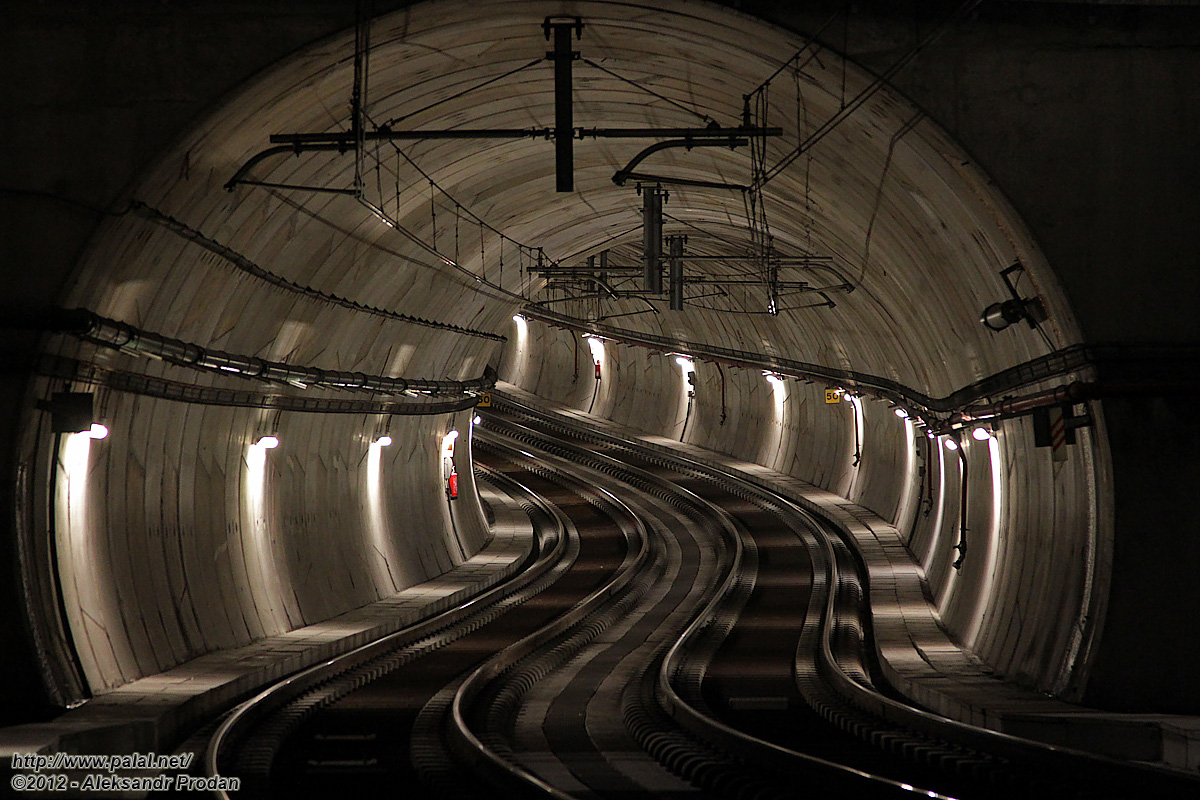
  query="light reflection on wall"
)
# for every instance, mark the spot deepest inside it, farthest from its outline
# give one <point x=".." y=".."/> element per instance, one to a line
<point x="601" y="374"/>
<point x="906" y="507"/>
<point x="520" y="358"/>
<point x="597" y="347"/>
<point x="935" y="543"/>
<point x="76" y="457"/>
<point x="779" y="392"/>
<point x="857" y="438"/>
<point x="779" y="395"/>
<point x="88" y="595"/>
<point x="984" y="603"/>
<point x="261" y="565"/>
<point x="958" y="454"/>
<point x="77" y="449"/>
<point x="448" y="447"/>
<point x="686" y="368"/>
<point x="381" y="538"/>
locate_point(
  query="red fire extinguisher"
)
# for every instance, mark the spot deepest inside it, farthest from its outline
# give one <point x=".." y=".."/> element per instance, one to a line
<point x="597" y="370"/>
<point x="452" y="484"/>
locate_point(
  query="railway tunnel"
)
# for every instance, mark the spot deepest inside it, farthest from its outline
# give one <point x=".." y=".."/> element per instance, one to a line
<point x="281" y="336"/>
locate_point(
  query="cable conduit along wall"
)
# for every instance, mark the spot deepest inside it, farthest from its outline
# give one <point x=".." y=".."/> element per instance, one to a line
<point x="71" y="369"/>
<point x="126" y="338"/>
<point x="1137" y="370"/>
<point x="249" y="267"/>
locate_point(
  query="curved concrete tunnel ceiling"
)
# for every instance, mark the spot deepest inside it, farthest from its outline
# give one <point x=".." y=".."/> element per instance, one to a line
<point x="885" y="198"/>
<point x="902" y="213"/>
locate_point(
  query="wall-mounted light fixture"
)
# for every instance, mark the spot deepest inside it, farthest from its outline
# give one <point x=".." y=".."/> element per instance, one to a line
<point x="999" y="316"/>
<point x="773" y="377"/>
<point x="267" y="442"/>
<point x="596" y="345"/>
<point x="384" y="441"/>
<point x="901" y="413"/>
<point x="981" y="434"/>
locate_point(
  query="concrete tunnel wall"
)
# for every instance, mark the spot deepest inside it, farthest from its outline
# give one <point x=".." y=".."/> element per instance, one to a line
<point x="177" y="535"/>
<point x="74" y="137"/>
<point x="139" y="272"/>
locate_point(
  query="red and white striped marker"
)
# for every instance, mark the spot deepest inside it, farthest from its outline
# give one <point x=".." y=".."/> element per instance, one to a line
<point x="1058" y="433"/>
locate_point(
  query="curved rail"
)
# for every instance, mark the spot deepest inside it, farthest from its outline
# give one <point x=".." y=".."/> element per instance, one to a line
<point x="720" y="756"/>
<point x="553" y="550"/>
<point x="554" y="644"/>
<point x="847" y="692"/>
<point x="669" y="705"/>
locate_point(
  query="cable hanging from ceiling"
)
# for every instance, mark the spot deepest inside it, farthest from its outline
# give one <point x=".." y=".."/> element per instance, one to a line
<point x="847" y="109"/>
<point x="642" y="88"/>
<point x="364" y="128"/>
<point x="460" y="211"/>
<point x="887" y="164"/>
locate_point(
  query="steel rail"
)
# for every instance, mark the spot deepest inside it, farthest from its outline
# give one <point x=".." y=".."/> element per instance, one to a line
<point x="261" y="708"/>
<point x="566" y="634"/>
<point x="715" y="619"/>
<point x="554" y="550"/>
<point x="864" y="710"/>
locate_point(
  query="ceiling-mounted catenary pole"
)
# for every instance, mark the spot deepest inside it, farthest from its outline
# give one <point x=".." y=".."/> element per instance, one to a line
<point x="675" y="248"/>
<point x="358" y="95"/>
<point x="563" y="132"/>
<point x="652" y="216"/>
<point x="564" y="121"/>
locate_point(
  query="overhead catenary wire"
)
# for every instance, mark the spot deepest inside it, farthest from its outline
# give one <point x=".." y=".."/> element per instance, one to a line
<point x="640" y="87"/>
<point x="761" y="230"/>
<point x="462" y="93"/>
<point x="811" y="41"/>
<point x="458" y="206"/>
<point x="895" y="140"/>
<point x="827" y="303"/>
<point x="867" y="93"/>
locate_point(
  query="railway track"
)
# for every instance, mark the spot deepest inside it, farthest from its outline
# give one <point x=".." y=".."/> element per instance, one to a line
<point x="676" y="632"/>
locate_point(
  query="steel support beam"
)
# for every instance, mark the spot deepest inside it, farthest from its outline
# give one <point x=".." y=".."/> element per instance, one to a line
<point x="698" y="136"/>
<point x="695" y="135"/>
<point x="675" y="248"/>
<point x="564" y="120"/>
<point x="345" y="139"/>
<point x="652" y="216"/>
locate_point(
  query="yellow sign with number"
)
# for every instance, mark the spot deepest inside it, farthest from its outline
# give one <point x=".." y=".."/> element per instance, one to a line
<point x="832" y="396"/>
<point x="485" y="400"/>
